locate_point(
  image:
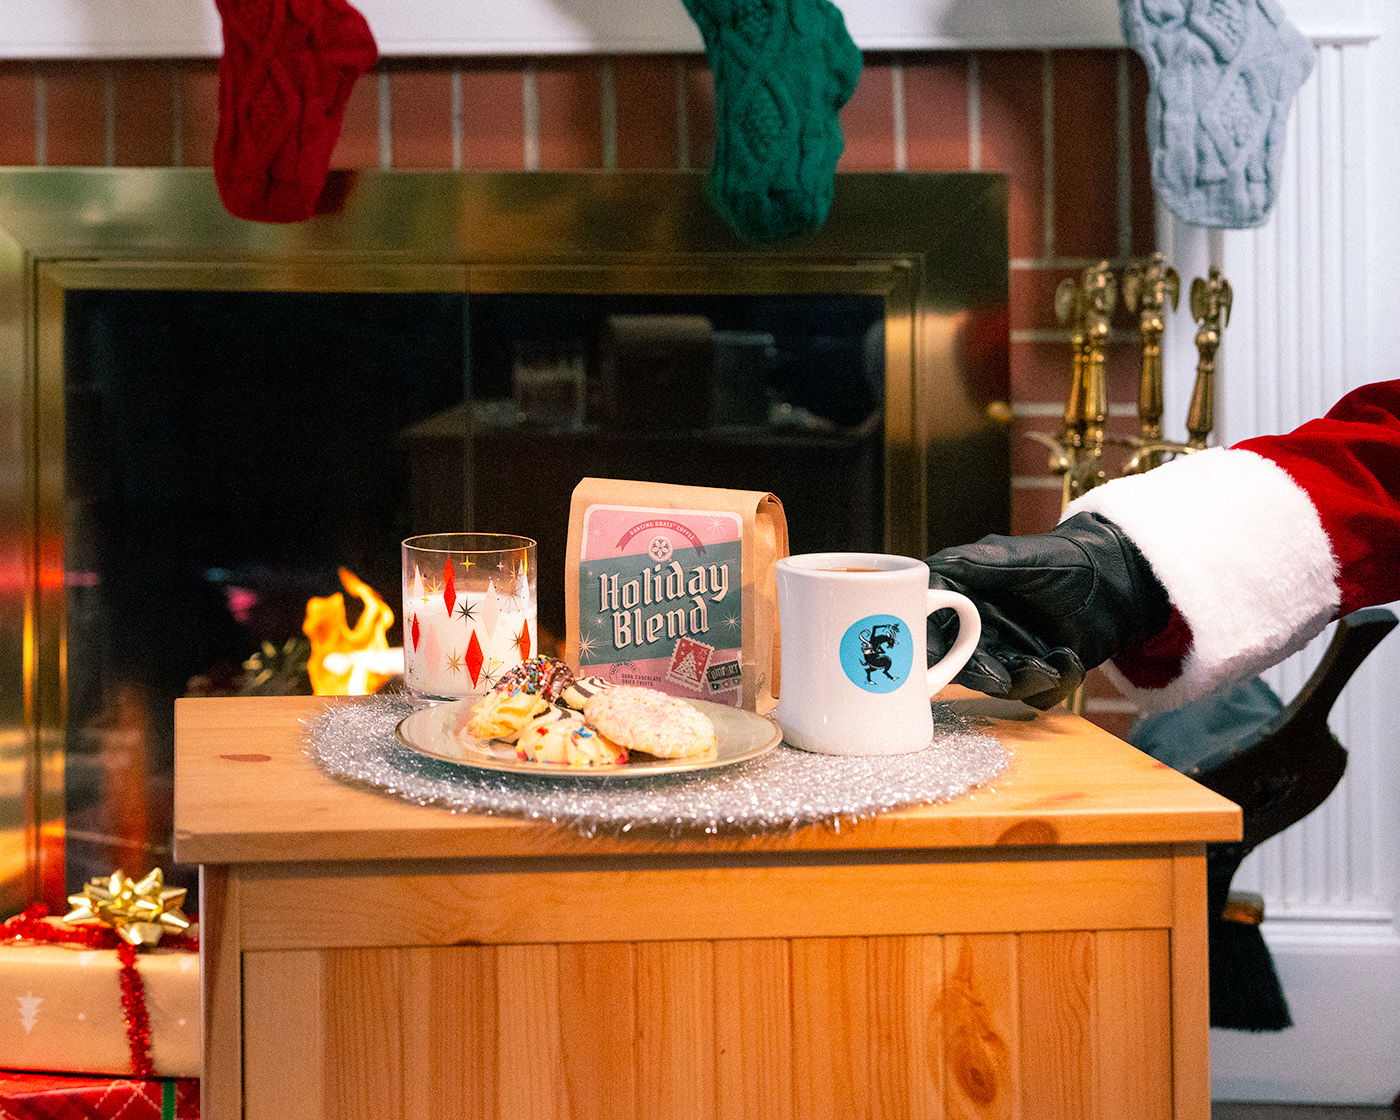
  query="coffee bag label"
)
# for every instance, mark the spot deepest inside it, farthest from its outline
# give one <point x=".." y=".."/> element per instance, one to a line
<point x="660" y="599"/>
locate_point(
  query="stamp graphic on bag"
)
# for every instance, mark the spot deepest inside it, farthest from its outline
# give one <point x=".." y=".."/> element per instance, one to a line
<point x="660" y="588"/>
<point x="689" y="663"/>
<point x="724" y="676"/>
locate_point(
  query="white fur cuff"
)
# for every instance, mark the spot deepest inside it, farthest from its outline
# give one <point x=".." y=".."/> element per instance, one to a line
<point x="1242" y="554"/>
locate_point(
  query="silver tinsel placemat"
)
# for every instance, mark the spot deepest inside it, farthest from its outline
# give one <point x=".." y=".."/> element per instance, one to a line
<point x="784" y="790"/>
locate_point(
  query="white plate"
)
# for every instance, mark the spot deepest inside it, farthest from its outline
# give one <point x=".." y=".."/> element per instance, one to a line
<point x="741" y="736"/>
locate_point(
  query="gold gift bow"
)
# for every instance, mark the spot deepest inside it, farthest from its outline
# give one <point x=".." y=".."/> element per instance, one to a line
<point x="139" y="911"/>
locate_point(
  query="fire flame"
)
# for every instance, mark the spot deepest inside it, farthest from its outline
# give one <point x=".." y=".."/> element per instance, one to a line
<point x="348" y="661"/>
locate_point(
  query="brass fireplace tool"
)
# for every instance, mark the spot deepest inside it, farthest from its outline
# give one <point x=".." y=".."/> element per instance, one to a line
<point x="1149" y="286"/>
<point x="1211" y="297"/>
<point x="1210" y="306"/>
<point x="1085" y="304"/>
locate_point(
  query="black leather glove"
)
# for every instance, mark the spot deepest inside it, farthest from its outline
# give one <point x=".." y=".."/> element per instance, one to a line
<point x="1053" y="606"/>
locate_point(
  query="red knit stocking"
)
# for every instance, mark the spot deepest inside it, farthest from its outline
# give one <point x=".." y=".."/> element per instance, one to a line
<point x="286" y="74"/>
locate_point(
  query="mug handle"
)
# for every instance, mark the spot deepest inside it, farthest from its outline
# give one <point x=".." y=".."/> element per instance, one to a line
<point x="969" y="631"/>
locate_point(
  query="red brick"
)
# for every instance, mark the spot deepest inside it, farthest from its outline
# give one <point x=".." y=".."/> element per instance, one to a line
<point x="1116" y="450"/>
<point x="199" y="112"/>
<point x="644" y="89"/>
<point x="76" y="98"/>
<point x="1040" y="372"/>
<point x="1032" y="297"/>
<point x="1034" y="510"/>
<point x="1125" y="425"/>
<point x="699" y="112"/>
<point x="571" y="119"/>
<point x="143" y="108"/>
<point x="1086" y="153"/>
<point x="420" y="104"/>
<point x="493" y="115"/>
<point x="1122" y="362"/>
<point x="1144" y="202"/>
<point x="1030" y="457"/>
<point x="358" y="146"/>
<point x="17" y="121"/>
<point x="935" y="112"/>
<point x="1012" y="99"/>
<point x="867" y="121"/>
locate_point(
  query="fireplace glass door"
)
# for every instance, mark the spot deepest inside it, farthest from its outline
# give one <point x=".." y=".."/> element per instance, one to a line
<point x="229" y="428"/>
<point x="229" y="452"/>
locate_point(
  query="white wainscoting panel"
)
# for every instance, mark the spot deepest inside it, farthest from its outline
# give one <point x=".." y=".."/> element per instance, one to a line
<point x="1302" y="333"/>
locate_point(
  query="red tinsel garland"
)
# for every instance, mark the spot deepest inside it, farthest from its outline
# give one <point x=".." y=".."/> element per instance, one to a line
<point x="134" y="1013"/>
<point x="31" y="926"/>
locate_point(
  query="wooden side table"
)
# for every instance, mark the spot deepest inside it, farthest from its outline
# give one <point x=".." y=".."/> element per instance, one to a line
<point x="1036" y="950"/>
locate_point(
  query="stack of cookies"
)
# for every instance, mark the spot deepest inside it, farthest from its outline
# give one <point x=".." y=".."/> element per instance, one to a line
<point x="552" y="717"/>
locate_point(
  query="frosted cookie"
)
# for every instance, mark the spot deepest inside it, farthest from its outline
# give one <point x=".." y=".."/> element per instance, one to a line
<point x="583" y="689"/>
<point x="499" y="715"/>
<point x="643" y="719"/>
<point x="545" y="738"/>
<point x="559" y="736"/>
<point x="544" y="676"/>
<point x="590" y="747"/>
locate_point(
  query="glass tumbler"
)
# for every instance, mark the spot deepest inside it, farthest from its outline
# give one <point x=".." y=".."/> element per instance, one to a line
<point x="468" y="612"/>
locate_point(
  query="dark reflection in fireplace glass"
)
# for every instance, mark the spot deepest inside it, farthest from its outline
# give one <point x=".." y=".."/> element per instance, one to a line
<point x="228" y="452"/>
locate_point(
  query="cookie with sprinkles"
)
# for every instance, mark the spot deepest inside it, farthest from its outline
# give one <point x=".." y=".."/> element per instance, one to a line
<point x="543" y="676"/>
<point x="546" y="737"/>
<point x="559" y="737"/>
<point x="590" y="747"/>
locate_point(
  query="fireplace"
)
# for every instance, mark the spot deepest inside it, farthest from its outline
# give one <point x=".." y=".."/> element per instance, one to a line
<point x="208" y="417"/>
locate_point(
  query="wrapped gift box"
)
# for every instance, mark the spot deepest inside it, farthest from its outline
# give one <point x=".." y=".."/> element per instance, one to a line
<point x="61" y="1009"/>
<point x="47" y="1096"/>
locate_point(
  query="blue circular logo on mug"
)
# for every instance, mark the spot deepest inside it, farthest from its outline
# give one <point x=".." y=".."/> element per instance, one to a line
<point x="876" y="653"/>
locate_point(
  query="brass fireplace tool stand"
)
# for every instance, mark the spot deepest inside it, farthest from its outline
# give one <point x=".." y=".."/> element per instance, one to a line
<point x="1085" y="305"/>
<point x="1154" y="282"/>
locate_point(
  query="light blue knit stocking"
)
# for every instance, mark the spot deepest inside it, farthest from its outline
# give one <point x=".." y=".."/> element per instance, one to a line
<point x="1223" y="74"/>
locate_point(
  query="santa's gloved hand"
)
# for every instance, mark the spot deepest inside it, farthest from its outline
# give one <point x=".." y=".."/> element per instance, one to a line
<point x="1053" y="606"/>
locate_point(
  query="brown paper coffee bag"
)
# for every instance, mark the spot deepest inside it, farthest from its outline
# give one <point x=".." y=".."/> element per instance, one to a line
<point x="672" y="587"/>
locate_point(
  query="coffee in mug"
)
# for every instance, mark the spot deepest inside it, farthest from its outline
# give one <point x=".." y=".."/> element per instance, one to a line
<point x="854" y="647"/>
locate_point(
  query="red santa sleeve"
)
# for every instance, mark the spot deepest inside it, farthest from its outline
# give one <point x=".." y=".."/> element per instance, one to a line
<point x="1260" y="545"/>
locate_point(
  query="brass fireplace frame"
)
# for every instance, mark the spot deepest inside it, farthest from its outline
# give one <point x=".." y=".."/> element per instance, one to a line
<point x="931" y="246"/>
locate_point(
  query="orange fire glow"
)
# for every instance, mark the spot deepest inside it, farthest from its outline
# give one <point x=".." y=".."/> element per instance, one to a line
<point x="345" y="660"/>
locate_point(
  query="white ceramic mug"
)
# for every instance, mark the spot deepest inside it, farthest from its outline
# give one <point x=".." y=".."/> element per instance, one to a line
<point x="854" y="645"/>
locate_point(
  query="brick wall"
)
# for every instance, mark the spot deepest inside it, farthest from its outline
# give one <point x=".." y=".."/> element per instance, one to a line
<point x="1065" y="126"/>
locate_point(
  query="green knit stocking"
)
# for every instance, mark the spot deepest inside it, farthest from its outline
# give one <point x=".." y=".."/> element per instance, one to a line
<point x="782" y="70"/>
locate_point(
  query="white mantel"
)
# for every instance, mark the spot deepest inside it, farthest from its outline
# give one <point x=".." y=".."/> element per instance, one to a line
<point x="406" y="28"/>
